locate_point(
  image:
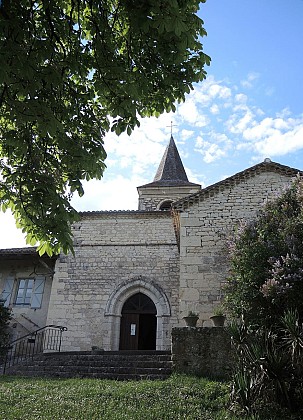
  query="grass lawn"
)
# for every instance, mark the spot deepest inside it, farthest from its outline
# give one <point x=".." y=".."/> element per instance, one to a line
<point x="179" y="397"/>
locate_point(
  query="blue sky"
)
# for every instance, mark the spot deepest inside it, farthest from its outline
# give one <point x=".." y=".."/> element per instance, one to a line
<point x="250" y="107"/>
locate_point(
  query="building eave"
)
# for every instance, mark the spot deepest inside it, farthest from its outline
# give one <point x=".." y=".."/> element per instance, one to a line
<point x="23" y="253"/>
<point x="266" y="166"/>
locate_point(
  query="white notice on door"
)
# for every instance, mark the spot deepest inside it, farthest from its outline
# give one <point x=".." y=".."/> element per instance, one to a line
<point x="132" y="329"/>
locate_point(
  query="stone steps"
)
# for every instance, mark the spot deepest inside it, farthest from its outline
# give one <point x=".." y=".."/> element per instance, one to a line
<point x="124" y="365"/>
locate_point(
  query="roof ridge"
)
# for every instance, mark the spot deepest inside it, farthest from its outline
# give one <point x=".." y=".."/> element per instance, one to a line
<point x="120" y="212"/>
<point x="264" y="166"/>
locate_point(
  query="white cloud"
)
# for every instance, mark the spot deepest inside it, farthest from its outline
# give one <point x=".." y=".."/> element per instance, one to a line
<point x="279" y="144"/>
<point x="269" y="136"/>
<point x="284" y="113"/>
<point x="189" y="111"/>
<point x="244" y="121"/>
<point x="267" y="127"/>
<point x="240" y="119"/>
<point x="240" y="97"/>
<point x="119" y="193"/>
<point x="186" y="134"/>
<point x="195" y="177"/>
<point x="144" y="146"/>
<point x="210" y="150"/>
<point x="214" y="109"/>
<point x="208" y="91"/>
<point x="249" y="81"/>
<point x="200" y="97"/>
<point x="217" y="90"/>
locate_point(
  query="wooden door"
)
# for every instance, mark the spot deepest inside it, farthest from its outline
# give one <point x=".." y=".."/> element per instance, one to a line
<point x="138" y="328"/>
<point x="129" y="332"/>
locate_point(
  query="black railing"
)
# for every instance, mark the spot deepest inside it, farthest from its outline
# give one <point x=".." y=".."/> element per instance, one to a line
<point x="46" y="339"/>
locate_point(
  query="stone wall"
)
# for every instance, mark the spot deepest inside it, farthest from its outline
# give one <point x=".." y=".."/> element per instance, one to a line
<point x="116" y="254"/>
<point x="202" y="352"/>
<point x="205" y="227"/>
<point x="150" y="198"/>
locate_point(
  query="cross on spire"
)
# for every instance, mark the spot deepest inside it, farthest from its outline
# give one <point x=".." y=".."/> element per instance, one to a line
<point x="171" y="127"/>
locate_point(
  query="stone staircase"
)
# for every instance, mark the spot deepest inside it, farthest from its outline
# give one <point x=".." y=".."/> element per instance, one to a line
<point x="119" y="365"/>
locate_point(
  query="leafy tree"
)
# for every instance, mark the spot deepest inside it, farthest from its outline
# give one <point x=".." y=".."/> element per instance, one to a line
<point x="70" y="71"/>
<point x="267" y="261"/>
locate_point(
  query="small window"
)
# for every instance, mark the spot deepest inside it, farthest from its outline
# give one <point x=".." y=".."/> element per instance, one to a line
<point x="27" y="292"/>
<point x="24" y="291"/>
<point x="166" y="205"/>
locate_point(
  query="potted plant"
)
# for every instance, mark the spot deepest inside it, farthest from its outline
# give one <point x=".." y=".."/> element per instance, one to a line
<point x="191" y="319"/>
<point x="218" y="317"/>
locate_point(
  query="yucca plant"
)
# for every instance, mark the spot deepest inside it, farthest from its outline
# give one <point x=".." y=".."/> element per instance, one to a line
<point x="268" y="366"/>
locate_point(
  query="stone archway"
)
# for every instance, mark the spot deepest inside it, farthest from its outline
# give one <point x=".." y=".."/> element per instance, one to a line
<point x="115" y="304"/>
<point x="165" y="205"/>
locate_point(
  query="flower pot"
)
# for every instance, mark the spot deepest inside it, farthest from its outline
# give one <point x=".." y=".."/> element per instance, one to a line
<point x="190" y="321"/>
<point x="218" y="320"/>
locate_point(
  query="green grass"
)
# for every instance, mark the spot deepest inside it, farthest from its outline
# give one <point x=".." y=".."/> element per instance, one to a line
<point x="179" y="397"/>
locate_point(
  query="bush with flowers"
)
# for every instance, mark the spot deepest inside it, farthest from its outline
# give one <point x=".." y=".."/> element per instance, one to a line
<point x="264" y="296"/>
<point x="267" y="261"/>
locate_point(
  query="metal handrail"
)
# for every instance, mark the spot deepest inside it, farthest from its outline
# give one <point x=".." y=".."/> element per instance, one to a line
<point x="48" y="338"/>
<point x="37" y="331"/>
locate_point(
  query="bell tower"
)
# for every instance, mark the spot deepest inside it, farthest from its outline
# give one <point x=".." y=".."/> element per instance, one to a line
<point x="170" y="182"/>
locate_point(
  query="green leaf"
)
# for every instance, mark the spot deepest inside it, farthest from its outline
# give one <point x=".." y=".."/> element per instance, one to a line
<point x="66" y="71"/>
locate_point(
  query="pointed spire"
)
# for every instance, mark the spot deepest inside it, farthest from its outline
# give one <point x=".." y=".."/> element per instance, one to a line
<point x="170" y="183"/>
<point x="171" y="171"/>
<point x="171" y="167"/>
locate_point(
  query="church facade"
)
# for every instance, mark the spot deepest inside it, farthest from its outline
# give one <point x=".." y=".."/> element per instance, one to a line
<point x="135" y="274"/>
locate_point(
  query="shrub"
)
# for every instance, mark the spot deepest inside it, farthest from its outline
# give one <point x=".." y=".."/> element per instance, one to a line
<point x="267" y="261"/>
<point x="4" y="333"/>
<point x="264" y="296"/>
<point x="269" y="366"/>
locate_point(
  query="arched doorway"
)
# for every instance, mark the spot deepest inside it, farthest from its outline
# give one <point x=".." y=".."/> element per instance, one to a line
<point x="113" y="312"/>
<point x="138" y="327"/>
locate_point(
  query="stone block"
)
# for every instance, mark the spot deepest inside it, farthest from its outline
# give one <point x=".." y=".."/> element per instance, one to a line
<point x="202" y="352"/>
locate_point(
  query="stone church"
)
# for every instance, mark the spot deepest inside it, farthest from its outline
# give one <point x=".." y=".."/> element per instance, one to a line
<point x="135" y="274"/>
